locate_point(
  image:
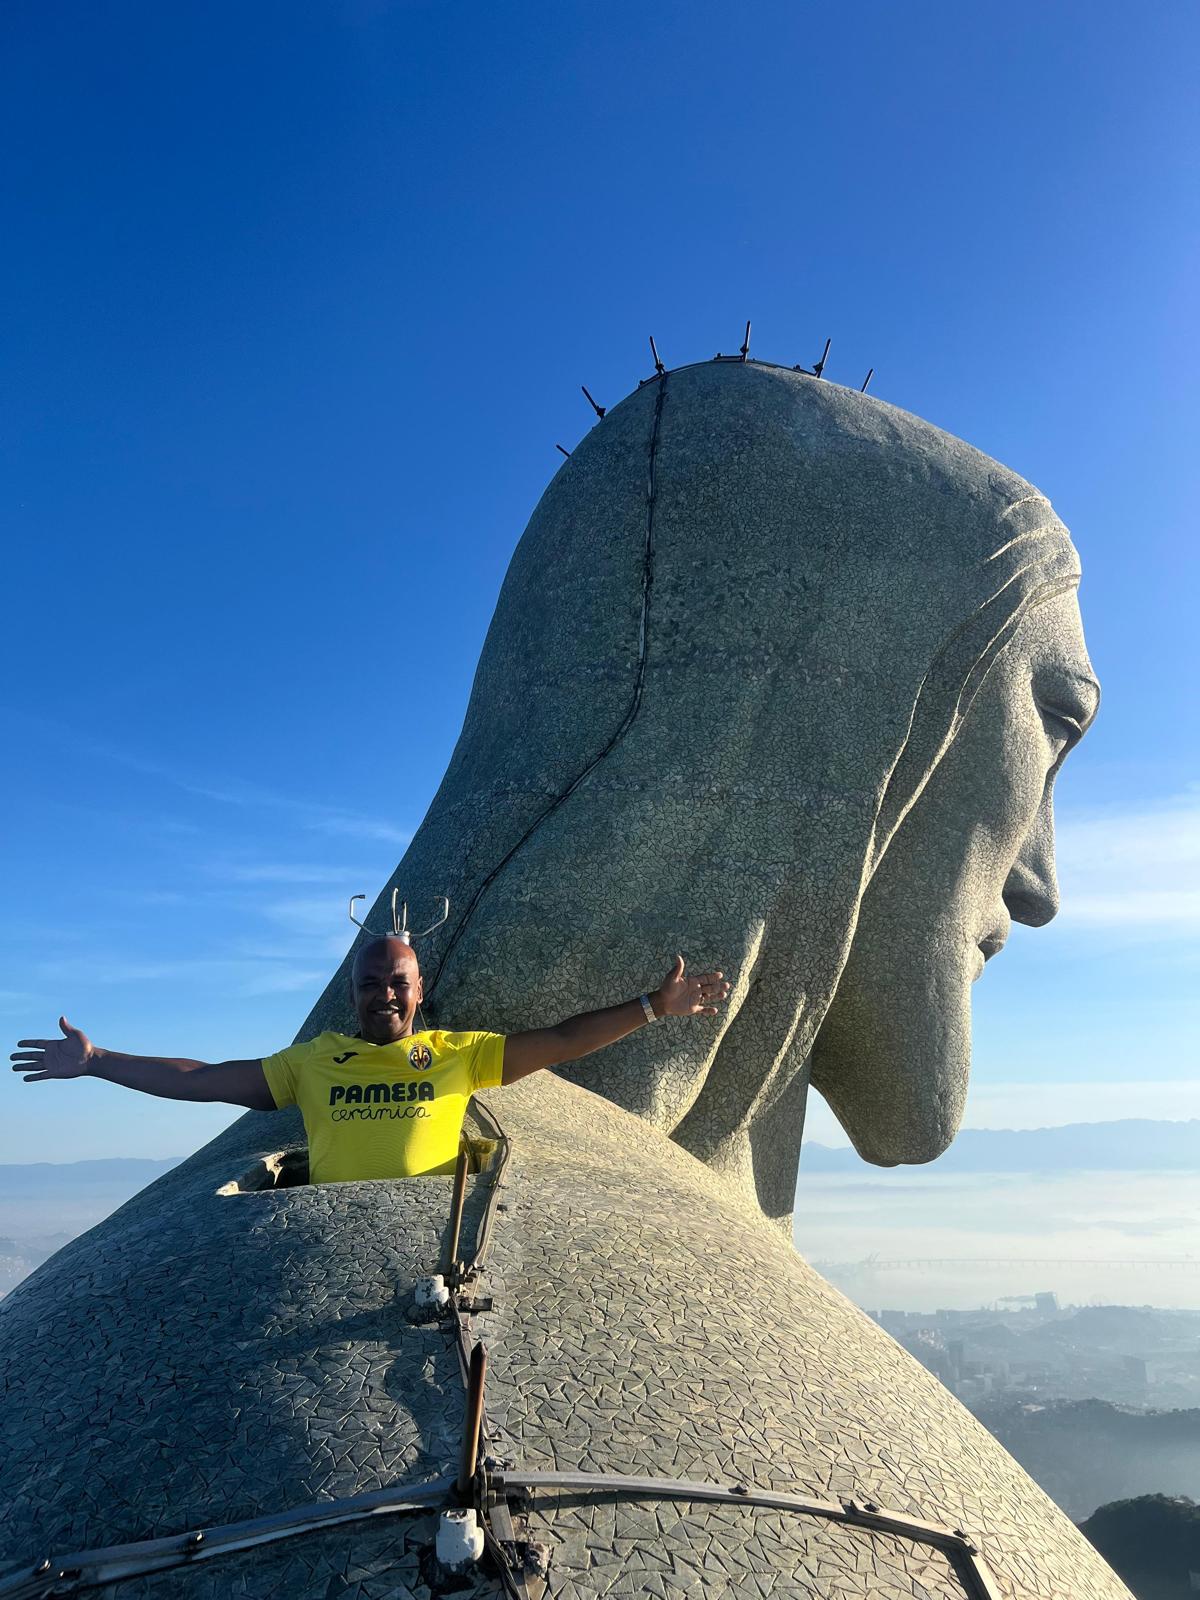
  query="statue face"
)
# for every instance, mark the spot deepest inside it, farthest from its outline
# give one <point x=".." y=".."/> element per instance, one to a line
<point x="974" y="855"/>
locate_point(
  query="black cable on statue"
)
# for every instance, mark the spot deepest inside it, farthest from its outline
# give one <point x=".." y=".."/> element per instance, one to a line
<point x="635" y="699"/>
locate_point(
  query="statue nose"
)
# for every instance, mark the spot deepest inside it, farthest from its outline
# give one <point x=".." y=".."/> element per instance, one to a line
<point x="1031" y="893"/>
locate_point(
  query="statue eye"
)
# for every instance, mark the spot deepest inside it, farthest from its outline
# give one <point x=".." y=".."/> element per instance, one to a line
<point x="1063" y="728"/>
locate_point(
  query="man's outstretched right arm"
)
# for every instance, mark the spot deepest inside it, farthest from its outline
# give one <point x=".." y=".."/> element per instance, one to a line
<point x="235" y="1083"/>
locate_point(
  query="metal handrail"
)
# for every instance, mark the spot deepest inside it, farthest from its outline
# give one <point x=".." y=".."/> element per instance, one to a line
<point x="458" y="1198"/>
<point x="90" y="1569"/>
<point x="961" y="1551"/>
<point x="497" y="1170"/>
<point x="953" y="1542"/>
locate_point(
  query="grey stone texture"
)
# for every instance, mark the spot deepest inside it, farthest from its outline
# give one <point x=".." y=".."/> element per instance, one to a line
<point x="748" y="621"/>
<point x="202" y="1357"/>
<point x="767" y="682"/>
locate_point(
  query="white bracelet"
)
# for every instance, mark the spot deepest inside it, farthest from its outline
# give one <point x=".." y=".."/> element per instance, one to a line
<point x="651" y="1014"/>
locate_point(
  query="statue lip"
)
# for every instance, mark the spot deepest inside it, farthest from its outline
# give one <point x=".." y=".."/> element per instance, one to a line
<point x="992" y="945"/>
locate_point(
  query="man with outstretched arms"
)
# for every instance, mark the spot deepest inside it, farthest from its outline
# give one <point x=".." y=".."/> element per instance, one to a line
<point x="388" y="1102"/>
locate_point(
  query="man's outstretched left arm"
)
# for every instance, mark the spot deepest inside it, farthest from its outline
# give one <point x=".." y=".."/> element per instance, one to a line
<point x="677" y="996"/>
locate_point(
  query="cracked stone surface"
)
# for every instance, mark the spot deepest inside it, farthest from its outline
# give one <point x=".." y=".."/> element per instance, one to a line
<point x="200" y="1358"/>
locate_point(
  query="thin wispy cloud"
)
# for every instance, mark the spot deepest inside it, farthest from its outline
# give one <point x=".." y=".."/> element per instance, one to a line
<point x="285" y="980"/>
<point x="1050" y="1105"/>
<point x="117" y="969"/>
<point x="1045" y="1105"/>
<point x="336" y="820"/>
<point x="351" y="827"/>
<point x="122" y="895"/>
<point x="328" y="820"/>
<point x="310" y="914"/>
<point x="1171" y="910"/>
<point x="1134" y="871"/>
<point x="285" y="872"/>
<point x="277" y="972"/>
<point x="303" y="951"/>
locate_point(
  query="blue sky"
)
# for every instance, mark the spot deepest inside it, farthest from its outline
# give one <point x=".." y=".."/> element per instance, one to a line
<point x="298" y="301"/>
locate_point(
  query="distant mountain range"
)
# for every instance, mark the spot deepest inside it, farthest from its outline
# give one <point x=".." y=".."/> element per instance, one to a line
<point x="59" y="1178"/>
<point x="1086" y="1453"/>
<point x="1132" y="1145"/>
<point x="43" y="1204"/>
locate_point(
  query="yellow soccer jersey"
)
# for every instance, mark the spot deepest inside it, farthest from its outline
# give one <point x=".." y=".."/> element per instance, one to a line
<point x="384" y="1110"/>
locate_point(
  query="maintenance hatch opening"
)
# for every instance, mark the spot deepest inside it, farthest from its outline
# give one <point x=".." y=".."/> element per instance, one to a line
<point x="288" y="1169"/>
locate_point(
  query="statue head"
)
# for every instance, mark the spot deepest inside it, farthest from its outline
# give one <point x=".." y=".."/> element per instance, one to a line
<point x="781" y="676"/>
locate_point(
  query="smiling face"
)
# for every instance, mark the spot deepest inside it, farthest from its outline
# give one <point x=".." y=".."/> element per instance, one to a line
<point x="974" y="855"/>
<point x="386" y="985"/>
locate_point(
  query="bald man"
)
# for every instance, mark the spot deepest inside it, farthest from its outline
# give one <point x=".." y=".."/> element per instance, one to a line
<point x="386" y="1102"/>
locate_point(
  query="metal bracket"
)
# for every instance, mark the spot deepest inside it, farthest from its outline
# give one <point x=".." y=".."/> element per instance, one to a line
<point x="524" y="1564"/>
<point x="474" y="1308"/>
<point x="742" y="355"/>
<point x="818" y="367"/>
<point x="400" y="928"/>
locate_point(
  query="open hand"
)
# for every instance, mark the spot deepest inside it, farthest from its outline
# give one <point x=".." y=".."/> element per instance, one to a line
<point x="697" y="996"/>
<point x="67" y="1057"/>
